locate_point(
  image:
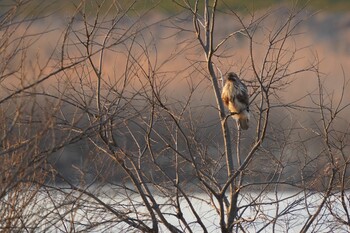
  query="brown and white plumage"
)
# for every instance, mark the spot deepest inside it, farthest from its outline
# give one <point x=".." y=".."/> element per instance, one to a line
<point x="236" y="99"/>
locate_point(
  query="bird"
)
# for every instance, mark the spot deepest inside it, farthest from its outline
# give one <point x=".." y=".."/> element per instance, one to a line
<point x="236" y="98"/>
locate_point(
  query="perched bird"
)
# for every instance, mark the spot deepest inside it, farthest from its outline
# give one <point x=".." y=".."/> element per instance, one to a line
<point x="236" y="98"/>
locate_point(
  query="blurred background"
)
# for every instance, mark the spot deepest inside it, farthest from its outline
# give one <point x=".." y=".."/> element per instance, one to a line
<point x="323" y="36"/>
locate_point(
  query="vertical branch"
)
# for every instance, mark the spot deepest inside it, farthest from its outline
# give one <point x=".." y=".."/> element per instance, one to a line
<point x="209" y="51"/>
<point x="326" y="124"/>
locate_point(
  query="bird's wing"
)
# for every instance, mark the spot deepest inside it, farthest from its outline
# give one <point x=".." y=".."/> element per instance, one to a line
<point x="243" y="95"/>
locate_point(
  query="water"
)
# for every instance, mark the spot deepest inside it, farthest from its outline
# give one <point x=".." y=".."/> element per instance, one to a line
<point x="100" y="210"/>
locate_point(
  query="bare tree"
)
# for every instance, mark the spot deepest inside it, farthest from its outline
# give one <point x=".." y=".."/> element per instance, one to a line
<point x="121" y="125"/>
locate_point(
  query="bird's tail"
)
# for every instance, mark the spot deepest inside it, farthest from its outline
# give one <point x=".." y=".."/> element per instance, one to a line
<point x="243" y="120"/>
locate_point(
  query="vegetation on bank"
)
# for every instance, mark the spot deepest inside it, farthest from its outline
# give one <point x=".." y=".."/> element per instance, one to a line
<point x="166" y="6"/>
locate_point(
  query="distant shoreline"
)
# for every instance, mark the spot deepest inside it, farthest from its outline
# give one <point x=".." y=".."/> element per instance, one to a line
<point x="40" y="8"/>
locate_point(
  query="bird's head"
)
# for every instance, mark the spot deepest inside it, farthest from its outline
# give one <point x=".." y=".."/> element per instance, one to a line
<point x="232" y="77"/>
